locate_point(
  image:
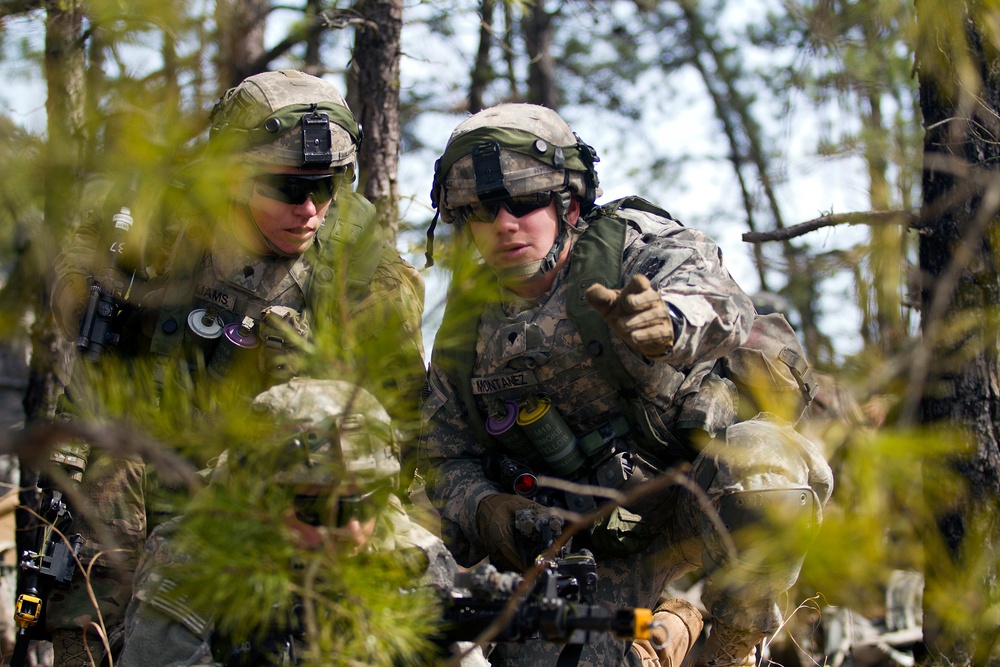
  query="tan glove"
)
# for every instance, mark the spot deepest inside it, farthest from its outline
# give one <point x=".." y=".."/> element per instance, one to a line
<point x="678" y="625"/>
<point x="506" y="524"/>
<point x="637" y="314"/>
<point x="69" y="299"/>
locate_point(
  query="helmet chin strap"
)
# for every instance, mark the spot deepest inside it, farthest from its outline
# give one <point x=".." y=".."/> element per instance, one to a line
<point x="532" y="271"/>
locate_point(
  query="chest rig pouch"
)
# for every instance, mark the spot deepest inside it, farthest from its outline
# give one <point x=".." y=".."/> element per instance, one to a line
<point x="346" y="253"/>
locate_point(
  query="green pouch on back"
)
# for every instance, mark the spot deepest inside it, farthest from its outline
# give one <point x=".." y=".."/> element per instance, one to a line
<point x="621" y="533"/>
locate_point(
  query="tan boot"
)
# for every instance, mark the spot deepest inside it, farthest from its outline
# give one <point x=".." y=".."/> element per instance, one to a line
<point x="729" y="647"/>
<point x="676" y="627"/>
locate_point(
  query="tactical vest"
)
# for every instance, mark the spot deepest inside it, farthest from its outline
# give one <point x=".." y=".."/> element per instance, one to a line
<point x="350" y="237"/>
<point x="770" y="371"/>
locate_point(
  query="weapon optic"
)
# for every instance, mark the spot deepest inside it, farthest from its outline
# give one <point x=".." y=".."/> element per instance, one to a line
<point x="108" y="288"/>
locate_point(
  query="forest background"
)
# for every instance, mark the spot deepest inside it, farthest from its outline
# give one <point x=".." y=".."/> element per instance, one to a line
<point x="853" y="141"/>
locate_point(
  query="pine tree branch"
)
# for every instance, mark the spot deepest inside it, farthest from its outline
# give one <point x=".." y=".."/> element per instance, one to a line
<point x="32" y="445"/>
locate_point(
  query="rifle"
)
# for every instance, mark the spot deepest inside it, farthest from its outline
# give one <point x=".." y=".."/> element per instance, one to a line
<point x="52" y="562"/>
<point x="53" y="559"/>
<point x="558" y="607"/>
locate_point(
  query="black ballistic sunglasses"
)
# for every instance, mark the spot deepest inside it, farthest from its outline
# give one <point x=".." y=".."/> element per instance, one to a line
<point x="318" y="510"/>
<point x="296" y="188"/>
<point x="518" y="206"/>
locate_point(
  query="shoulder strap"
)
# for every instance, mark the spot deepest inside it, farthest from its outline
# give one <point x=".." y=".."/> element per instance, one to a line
<point x="351" y="236"/>
<point x="637" y="204"/>
<point x="597" y="258"/>
<point x="455" y="342"/>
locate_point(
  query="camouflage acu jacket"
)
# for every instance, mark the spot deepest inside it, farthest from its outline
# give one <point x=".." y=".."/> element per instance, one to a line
<point x="534" y="348"/>
<point x="351" y="285"/>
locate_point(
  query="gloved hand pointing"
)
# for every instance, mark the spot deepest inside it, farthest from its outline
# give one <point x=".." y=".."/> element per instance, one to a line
<point x="637" y="314"/>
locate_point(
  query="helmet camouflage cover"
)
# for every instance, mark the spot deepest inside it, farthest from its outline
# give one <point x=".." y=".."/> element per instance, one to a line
<point x="341" y="429"/>
<point x="510" y="150"/>
<point x="287" y="117"/>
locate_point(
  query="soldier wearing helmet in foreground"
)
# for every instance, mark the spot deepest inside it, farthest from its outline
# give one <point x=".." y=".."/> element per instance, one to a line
<point x="257" y="260"/>
<point x="326" y="490"/>
<point x="587" y="346"/>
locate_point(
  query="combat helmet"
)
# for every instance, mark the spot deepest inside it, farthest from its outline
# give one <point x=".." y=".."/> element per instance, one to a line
<point x="335" y="442"/>
<point x="341" y="434"/>
<point x="290" y="118"/>
<point x="511" y="150"/>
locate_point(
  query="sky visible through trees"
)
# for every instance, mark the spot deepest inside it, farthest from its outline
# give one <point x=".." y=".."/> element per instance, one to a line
<point x="676" y="124"/>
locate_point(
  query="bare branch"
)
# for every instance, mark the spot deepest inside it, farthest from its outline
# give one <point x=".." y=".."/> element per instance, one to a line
<point x="870" y="218"/>
<point x="33" y="444"/>
<point x="17" y="7"/>
<point x="329" y="20"/>
<point x="973" y="178"/>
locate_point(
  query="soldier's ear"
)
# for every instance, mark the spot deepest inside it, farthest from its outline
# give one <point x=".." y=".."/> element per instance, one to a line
<point x="573" y="212"/>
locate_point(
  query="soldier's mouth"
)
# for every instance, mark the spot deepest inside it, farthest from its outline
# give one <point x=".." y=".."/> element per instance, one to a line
<point x="510" y="250"/>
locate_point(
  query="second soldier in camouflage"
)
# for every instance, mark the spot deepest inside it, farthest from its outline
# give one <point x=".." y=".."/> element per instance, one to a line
<point x="582" y="342"/>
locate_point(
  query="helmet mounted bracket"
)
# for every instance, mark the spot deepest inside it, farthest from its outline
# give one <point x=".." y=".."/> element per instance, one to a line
<point x="490" y="187"/>
<point x="316" y="142"/>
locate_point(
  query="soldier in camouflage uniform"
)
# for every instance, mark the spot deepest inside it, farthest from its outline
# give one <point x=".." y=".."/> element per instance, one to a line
<point x="523" y="380"/>
<point x="263" y="242"/>
<point x="342" y="449"/>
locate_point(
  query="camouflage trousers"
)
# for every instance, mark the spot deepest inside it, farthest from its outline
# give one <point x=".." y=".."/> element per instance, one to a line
<point x="754" y="459"/>
<point x="113" y="525"/>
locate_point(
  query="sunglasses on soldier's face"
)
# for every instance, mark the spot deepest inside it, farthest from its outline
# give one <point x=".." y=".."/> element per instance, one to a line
<point x="518" y="206"/>
<point x="318" y="510"/>
<point x="296" y="188"/>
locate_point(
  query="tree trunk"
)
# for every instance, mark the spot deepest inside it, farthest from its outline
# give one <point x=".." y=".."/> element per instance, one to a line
<point x="482" y="70"/>
<point x="375" y="102"/>
<point x="538" y="30"/>
<point x="312" y="62"/>
<point x="888" y="242"/>
<point x="65" y="108"/>
<point x="240" y="25"/>
<point x="960" y="100"/>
